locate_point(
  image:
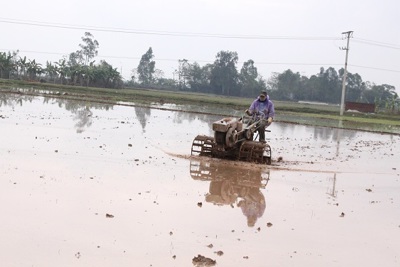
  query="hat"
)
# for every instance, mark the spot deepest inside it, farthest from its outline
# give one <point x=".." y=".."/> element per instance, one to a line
<point x="264" y="93"/>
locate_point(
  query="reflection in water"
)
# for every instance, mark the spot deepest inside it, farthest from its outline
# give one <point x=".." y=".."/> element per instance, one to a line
<point x="82" y="109"/>
<point x="14" y="99"/>
<point x="333" y="191"/>
<point x="143" y="114"/>
<point x="180" y="117"/>
<point x="230" y="185"/>
<point x="316" y="133"/>
<point x="338" y="135"/>
<point x="84" y="117"/>
<point x="326" y="133"/>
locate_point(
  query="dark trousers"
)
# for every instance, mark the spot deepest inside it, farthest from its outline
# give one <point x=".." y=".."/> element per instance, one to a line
<point x="261" y="130"/>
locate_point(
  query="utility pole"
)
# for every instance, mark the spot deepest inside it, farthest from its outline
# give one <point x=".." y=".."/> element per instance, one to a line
<point x="349" y="34"/>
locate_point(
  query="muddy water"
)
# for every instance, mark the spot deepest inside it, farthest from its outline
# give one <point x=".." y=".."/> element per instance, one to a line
<point x="86" y="184"/>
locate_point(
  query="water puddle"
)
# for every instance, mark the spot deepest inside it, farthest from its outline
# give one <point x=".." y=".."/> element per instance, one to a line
<point x="89" y="184"/>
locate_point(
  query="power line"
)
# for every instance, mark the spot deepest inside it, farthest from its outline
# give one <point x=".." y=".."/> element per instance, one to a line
<point x="375" y="43"/>
<point x="211" y="61"/>
<point x="35" y="52"/>
<point x="176" y="60"/>
<point x="374" y="68"/>
<point x="163" y="33"/>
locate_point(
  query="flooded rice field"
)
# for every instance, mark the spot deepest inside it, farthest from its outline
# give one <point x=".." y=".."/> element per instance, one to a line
<point x="86" y="184"/>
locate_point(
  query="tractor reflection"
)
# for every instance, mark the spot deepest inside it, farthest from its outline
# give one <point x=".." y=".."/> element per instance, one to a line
<point x="233" y="185"/>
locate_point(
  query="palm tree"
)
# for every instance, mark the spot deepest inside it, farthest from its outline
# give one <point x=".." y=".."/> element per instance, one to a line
<point x="7" y="64"/>
<point x="22" y="66"/>
<point x="34" y="69"/>
<point x="62" y="69"/>
<point x="3" y="63"/>
<point x="110" y="77"/>
<point x="51" y="70"/>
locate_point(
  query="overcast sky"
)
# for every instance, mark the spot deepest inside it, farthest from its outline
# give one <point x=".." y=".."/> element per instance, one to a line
<point x="301" y="35"/>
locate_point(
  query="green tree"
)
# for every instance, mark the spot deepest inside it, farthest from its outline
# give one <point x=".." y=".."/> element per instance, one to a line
<point x="88" y="52"/>
<point x="8" y="64"/>
<point x="104" y="75"/>
<point x="285" y="85"/>
<point x="250" y="82"/>
<point x="224" y="75"/>
<point x="75" y="58"/>
<point x="34" y="69"/>
<point x="89" y="47"/>
<point x="22" y="64"/>
<point x="312" y="89"/>
<point x="51" y="70"/>
<point x="183" y="73"/>
<point x="75" y="67"/>
<point x="198" y="78"/>
<point x="62" y="69"/>
<point x="355" y="87"/>
<point x="330" y="86"/>
<point x="146" y="68"/>
<point x="380" y="94"/>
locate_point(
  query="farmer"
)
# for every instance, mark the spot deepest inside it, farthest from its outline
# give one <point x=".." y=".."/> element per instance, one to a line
<point x="262" y="108"/>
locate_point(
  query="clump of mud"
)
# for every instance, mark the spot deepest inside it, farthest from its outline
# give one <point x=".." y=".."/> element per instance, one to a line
<point x="203" y="261"/>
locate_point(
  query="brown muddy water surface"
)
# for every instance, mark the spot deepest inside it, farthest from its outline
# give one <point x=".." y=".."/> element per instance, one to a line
<point x="85" y="184"/>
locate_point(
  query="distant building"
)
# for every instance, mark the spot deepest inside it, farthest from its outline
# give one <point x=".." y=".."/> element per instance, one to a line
<point x="362" y="107"/>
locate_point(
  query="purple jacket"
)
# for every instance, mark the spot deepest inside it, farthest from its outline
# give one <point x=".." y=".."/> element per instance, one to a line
<point x="266" y="107"/>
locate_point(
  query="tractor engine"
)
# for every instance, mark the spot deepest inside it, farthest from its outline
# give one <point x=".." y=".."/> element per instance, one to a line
<point x="233" y="139"/>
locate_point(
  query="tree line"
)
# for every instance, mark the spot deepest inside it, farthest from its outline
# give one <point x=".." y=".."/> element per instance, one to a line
<point x="326" y="86"/>
<point x="222" y="77"/>
<point x="78" y="68"/>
